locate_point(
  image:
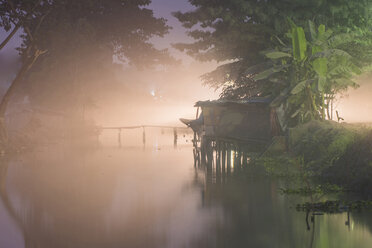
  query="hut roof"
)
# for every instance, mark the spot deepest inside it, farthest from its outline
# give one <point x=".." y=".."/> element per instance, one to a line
<point x="224" y="102"/>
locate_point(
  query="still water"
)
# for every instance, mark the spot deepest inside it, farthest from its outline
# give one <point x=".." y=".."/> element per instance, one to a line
<point x="154" y="197"/>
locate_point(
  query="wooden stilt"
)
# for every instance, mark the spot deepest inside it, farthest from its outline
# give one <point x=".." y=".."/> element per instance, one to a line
<point x="143" y="136"/>
<point x="245" y="159"/>
<point x="228" y="162"/>
<point x="175" y="137"/>
<point x="119" y="136"/>
<point x="223" y="157"/>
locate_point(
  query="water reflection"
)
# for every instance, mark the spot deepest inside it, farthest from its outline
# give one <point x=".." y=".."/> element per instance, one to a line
<point x="105" y="198"/>
<point x="157" y="198"/>
<point x="256" y="215"/>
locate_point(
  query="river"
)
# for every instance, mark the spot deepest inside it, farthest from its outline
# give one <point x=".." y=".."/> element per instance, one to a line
<point x="154" y="197"/>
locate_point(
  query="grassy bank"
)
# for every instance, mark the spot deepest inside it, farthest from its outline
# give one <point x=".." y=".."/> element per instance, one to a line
<point x="327" y="152"/>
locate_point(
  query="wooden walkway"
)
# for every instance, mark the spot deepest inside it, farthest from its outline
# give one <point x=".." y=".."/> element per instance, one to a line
<point x="143" y="127"/>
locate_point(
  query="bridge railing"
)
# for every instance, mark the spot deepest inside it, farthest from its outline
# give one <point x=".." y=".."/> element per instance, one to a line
<point x="143" y="127"/>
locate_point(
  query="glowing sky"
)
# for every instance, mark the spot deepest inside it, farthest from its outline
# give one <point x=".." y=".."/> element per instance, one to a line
<point x="189" y="83"/>
<point x="164" y="9"/>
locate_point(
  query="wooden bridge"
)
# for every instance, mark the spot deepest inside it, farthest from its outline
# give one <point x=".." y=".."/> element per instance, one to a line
<point x="143" y="127"/>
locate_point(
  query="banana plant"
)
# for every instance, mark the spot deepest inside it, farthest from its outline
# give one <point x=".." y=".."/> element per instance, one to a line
<point x="307" y="74"/>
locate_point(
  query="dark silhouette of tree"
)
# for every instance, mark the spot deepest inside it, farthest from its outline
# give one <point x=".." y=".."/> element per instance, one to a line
<point x="236" y="32"/>
<point x="78" y="40"/>
<point x="15" y="15"/>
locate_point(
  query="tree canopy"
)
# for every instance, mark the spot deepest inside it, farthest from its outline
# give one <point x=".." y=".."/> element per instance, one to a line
<point x="236" y="32"/>
<point x="70" y="49"/>
<point x="81" y="38"/>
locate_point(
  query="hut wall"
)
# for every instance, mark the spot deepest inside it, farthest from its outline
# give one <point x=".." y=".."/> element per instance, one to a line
<point x="248" y="122"/>
<point x="212" y="116"/>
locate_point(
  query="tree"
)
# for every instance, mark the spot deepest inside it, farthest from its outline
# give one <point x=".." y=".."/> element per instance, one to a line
<point x="14" y="15"/>
<point x="20" y="14"/>
<point x="306" y="75"/>
<point x="79" y="39"/>
<point x="236" y="32"/>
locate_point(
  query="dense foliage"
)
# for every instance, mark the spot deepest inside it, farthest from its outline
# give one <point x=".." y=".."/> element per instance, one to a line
<point x="236" y="32"/>
<point x="124" y="27"/>
<point x="336" y="154"/>
<point x="70" y="47"/>
<point x="305" y="74"/>
<point x="82" y="37"/>
<point x="325" y="153"/>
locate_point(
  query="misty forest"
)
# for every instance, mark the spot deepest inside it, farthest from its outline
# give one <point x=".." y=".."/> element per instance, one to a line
<point x="185" y="123"/>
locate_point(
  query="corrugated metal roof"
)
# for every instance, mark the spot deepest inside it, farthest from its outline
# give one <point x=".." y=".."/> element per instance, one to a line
<point x="256" y="100"/>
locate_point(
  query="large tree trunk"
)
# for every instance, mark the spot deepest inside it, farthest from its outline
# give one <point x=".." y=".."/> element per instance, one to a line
<point x="10" y="92"/>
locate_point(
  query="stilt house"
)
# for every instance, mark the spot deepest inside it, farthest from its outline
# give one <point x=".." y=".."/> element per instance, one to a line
<point x="250" y="120"/>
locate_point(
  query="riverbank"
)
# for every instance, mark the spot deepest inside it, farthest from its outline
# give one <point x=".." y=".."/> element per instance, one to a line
<point x="328" y="153"/>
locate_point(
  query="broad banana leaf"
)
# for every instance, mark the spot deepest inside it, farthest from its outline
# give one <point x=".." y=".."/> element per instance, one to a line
<point x="344" y="82"/>
<point x="321" y="30"/>
<point x="267" y="73"/>
<point x="320" y="66"/>
<point x="301" y="86"/>
<point x="331" y="52"/>
<point x="313" y="33"/>
<point x="321" y="83"/>
<point x="277" y="55"/>
<point x="299" y="43"/>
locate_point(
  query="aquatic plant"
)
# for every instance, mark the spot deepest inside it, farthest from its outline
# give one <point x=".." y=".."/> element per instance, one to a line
<point x="335" y="206"/>
<point x="318" y="189"/>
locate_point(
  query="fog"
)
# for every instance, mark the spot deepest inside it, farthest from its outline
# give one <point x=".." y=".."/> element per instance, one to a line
<point x="126" y="95"/>
<point x="159" y="96"/>
<point x="356" y="104"/>
<point x="121" y="95"/>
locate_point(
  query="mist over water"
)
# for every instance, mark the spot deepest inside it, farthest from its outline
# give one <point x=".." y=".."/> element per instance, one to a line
<point x="135" y="197"/>
<point x="76" y="179"/>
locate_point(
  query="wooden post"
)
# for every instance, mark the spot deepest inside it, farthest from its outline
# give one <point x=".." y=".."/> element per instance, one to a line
<point x="223" y="157"/>
<point x="245" y="158"/>
<point x="218" y="152"/>
<point x="119" y="137"/>
<point x="228" y="162"/>
<point x="209" y="150"/>
<point x="203" y="150"/>
<point x="143" y="137"/>
<point x="238" y="158"/>
<point x="175" y="136"/>
<point x="218" y="162"/>
<point x="195" y="153"/>
<point x="194" y="142"/>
